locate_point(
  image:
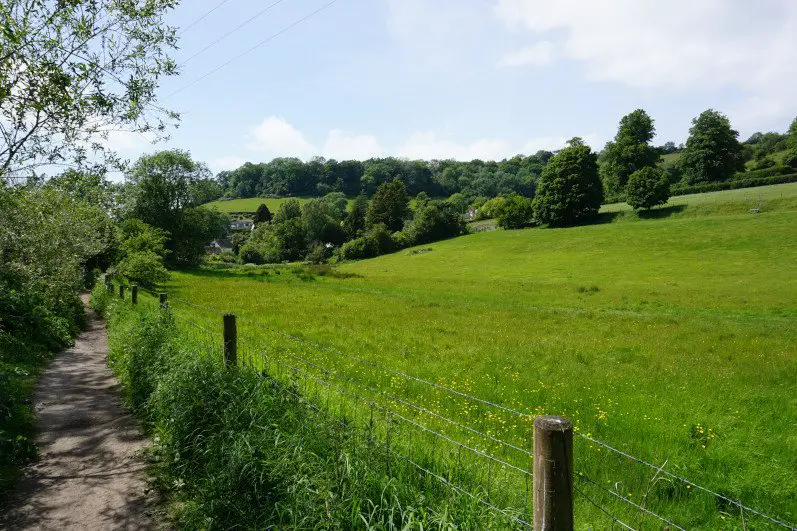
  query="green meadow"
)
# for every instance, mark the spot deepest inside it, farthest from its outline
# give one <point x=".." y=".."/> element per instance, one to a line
<point x="250" y="204"/>
<point x="671" y="335"/>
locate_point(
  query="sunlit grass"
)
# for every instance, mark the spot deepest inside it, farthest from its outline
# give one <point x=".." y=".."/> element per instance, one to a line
<point x="672" y="338"/>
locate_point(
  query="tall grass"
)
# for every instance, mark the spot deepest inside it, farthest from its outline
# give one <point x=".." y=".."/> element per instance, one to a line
<point x="236" y="448"/>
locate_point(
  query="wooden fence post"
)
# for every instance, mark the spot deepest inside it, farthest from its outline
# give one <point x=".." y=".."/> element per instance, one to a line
<point x="134" y="293"/>
<point x="230" y="339"/>
<point x="553" y="474"/>
<point x="163" y="298"/>
<point x="122" y="291"/>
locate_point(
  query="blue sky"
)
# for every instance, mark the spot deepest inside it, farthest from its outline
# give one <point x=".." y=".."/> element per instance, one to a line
<point x="470" y="78"/>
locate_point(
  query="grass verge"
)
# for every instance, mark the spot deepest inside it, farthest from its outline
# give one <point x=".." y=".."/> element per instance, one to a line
<point x="235" y="447"/>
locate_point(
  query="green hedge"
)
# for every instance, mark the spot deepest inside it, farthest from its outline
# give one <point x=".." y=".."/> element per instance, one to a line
<point x="236" y="448"/>
<point x="735" y="184"/>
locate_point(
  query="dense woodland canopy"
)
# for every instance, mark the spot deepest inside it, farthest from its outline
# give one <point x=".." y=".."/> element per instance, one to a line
<point x="711" y="154"/>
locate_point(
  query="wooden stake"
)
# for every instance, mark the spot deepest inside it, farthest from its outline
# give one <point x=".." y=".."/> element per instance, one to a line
<point x="230" y="340"/>
<point x="553" y="474"/>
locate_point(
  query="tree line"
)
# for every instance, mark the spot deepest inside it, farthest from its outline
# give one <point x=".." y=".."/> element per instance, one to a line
<point x="712" y="153"/>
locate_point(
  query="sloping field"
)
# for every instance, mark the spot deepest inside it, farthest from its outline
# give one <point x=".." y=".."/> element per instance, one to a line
<point x="251" y="204"/>
<point x="671" y="336"/>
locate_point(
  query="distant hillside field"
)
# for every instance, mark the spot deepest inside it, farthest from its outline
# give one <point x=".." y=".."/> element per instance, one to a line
<point x="671" y="335"/>
<point x="251" y="204"/>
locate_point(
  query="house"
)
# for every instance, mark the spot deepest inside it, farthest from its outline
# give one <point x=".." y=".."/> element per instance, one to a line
<point x="471" y="213"/>
<point x="220" y="246"/>
<point x="245" y="224"/>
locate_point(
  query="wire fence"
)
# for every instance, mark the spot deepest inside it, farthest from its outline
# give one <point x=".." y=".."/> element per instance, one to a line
<point x="466" y="455"/>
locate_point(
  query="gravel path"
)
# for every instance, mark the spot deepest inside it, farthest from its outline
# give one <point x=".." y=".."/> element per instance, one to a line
<point x="89" y="475"/>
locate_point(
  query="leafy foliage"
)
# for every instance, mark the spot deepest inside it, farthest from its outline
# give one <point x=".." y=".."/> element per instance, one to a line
<point x="47" y="236"/>
<point x="434" y="223"/>
<point x="647" y="188"/>
<point x="163" y="194"/>
<point x="389" y="206"/>
<point x="630" y="151"/>
<point x="712" y="151"/>
<point x="569" y="191"/>
<point x="262" y="215"/>
<point x="515" y="212"/>
<point x="65" y="84"/>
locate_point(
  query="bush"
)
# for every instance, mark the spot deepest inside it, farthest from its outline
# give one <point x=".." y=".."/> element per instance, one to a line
<point x="790" y="160"/>
<point x="144" y="267"/>
<point x="647" y="188"/>
<point x="569" y="191"/>
<point x="491" y="208"/>
<point x="376" y="240"/>
<point x="516" y="212"/>
<point x="434" y="223"/>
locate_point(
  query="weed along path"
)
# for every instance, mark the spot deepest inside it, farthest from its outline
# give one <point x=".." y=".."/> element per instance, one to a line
<point x="89" y="475"/>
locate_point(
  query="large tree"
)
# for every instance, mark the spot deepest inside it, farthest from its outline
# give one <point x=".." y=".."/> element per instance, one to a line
<point x="569" y="190"/>
<point x="162" y="194"/>
<point x="389" y="206"/>
<point x="630" y="151"/>
<point x="73" y="72"/>
<point x="712" y="152"/>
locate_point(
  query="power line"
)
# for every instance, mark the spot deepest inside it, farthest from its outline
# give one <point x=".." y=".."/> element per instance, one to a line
<point x="200" y="19"/>
<point x="238" y="27"/>
<point x="253" y="48"/>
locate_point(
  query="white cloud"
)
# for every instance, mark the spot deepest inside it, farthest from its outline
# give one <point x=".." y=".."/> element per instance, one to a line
<point x="427" y="145"/>
<point x="125" y="141"/>
<point x="342" y="145"/>
<point x="226" y="163"/>
<point x="685" y="44"/>
<point x="538" y="54"/>
<point x="277" y="137"/>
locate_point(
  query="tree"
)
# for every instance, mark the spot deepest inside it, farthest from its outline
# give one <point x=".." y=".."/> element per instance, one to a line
<point x="162" y="195"/>
<point x="515" y="212"/>
<point x="290" y="209"/>
<point x="569" y="190"/>
<point x="793" y="128"/>
<point x="262" y="214"/>
<point x="434" y="223"/>
<point x="143" y="267"/>
<point x="459" y="202"/>
<point x="390" y="206"/>
<point x="647" y="188"/>
<point x="321" y="220"/>
<point x="630" y="151"/>
<point x="712" y="151"/>
<point x="73" y="72"/>
<point x="354" y="222"/>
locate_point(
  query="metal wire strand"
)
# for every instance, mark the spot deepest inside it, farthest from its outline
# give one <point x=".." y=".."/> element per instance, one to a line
<point x="626" y="500"/>
<point x="684" y="480"/>
<point x="604" y="511"/>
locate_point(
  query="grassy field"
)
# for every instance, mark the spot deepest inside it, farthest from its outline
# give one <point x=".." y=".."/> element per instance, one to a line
<point x="251" y="204"/>
<point x="671" y="335"/>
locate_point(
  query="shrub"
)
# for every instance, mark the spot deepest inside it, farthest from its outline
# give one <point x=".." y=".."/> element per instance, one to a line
<point x="144" y="267"/>
<point x="516" y="212"/>
<point x="790" y="160"/>
<point x="318" y="254"/>
<point x="569" y="190"/>
<point x="491" y="208"/>
<point x="647" y="188"/>
<point x="376" y="240"/>
<point x="434" y="223"/>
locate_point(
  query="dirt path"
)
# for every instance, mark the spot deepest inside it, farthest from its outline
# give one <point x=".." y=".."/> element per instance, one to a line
<point x="89" y="475"/>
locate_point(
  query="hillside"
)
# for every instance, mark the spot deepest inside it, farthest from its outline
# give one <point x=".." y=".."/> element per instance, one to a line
<point x="679" y="329"/>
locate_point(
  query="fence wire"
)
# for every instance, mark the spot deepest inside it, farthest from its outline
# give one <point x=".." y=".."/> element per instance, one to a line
<point x="206" y="331"/>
